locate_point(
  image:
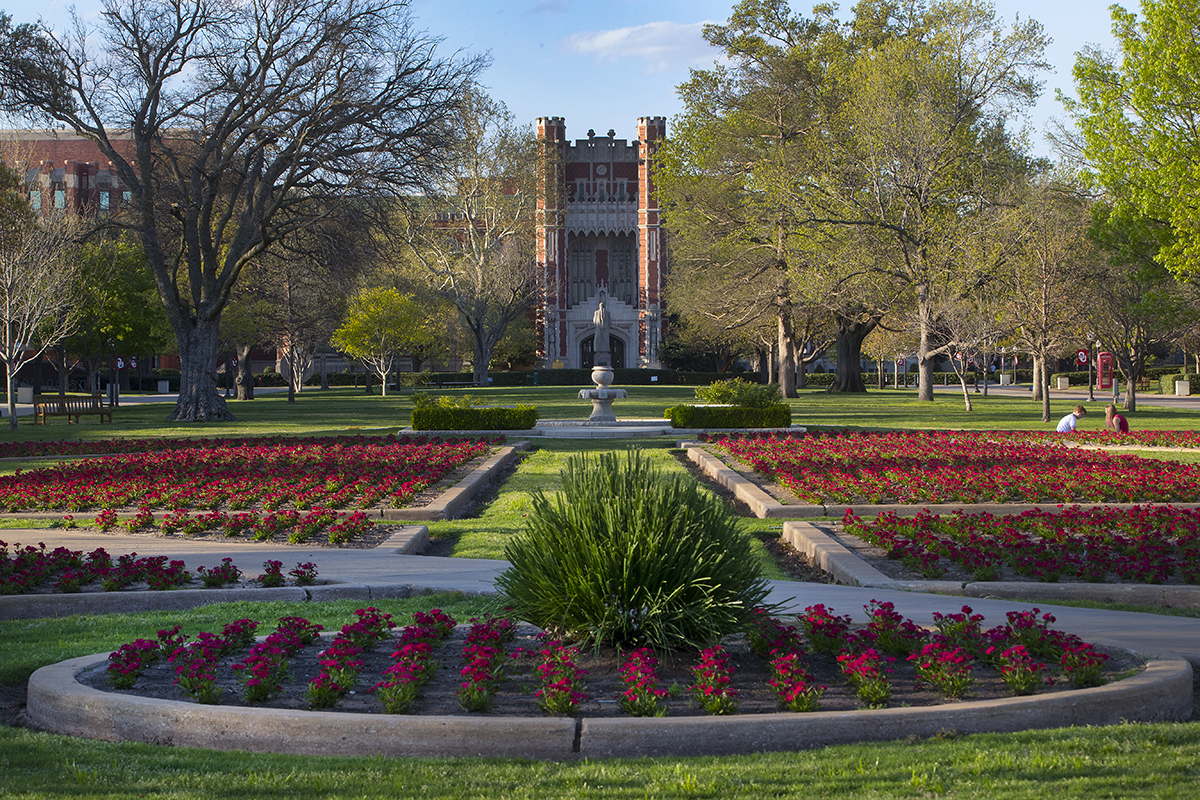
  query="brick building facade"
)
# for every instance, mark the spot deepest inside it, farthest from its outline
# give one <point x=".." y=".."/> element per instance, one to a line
<point x="64" y="172"/>
<point x="599" y="236"/>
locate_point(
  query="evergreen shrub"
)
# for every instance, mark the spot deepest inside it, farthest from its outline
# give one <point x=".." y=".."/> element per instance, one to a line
<point x="626" y="556"/>
<point x="737" y="392"/>
<point x="488" y="418"/>
<point x="776" y="416"/>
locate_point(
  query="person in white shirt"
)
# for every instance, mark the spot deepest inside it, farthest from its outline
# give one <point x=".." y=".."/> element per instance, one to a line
<point x="1067" y="424"/>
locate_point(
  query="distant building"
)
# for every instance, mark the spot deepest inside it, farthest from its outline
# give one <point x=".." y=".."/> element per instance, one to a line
<point x="64" y="172"/>
<point x="599" y="231"/>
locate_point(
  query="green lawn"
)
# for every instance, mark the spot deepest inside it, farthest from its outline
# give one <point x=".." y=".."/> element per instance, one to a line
<point x="349" y="411"/>
<point x="1144" y="761"/>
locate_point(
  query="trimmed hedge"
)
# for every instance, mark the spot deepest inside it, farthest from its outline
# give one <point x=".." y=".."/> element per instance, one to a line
<point x="776" y="416"/>
<point x="1166" y="383"/>
<point x="489" y="418"/>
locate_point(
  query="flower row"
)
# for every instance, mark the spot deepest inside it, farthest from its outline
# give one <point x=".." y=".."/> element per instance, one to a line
<point x="1146" y="544"/>
<point x="69" y="571"/>
<point x="112" y="446"/>
<point x="311" y="475"/>
<point x="1025" y="652"/>
<point x="954" y="466"/>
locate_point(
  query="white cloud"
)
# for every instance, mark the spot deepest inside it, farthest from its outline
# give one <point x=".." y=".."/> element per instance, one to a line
<point x="661" y="44"/>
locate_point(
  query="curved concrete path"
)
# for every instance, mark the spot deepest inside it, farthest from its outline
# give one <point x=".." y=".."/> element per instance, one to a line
<point x="384" y="566"/>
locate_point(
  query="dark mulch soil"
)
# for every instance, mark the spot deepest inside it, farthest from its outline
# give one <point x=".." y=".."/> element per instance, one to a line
<point x="515" y="697"/>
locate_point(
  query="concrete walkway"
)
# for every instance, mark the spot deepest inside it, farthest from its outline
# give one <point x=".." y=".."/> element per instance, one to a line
<point x="1150" y="634"/>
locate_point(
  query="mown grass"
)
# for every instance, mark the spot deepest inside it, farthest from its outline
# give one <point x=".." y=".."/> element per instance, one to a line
<point x="492" y="526"/>
<point x="348" y="411"/>
<point x="1124" y="761"/>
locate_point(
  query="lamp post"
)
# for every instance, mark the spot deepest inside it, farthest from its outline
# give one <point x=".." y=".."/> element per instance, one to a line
<point x="1091" y="337"/>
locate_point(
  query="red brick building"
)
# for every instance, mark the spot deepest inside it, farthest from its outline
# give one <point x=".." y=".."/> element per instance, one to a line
<point x="599" y="235"/>
<point x="63" y="171"/>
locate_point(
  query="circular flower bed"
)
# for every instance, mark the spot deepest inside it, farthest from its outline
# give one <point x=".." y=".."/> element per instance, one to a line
<point x="493" y="667"/>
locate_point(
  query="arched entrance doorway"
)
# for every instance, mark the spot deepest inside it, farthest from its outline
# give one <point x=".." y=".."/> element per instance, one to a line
<point x="587" y="352"/>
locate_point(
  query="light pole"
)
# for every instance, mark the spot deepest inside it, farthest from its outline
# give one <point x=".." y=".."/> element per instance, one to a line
<point x="1091" y="337"/>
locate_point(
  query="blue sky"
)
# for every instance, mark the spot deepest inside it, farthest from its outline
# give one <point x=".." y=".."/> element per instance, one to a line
<point x="602" y="65"/>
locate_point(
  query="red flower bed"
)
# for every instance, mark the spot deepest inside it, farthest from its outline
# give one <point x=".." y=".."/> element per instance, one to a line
<point x="1147" y="544"/>
<point x="68" y="571"/>
<point x="316" y="476"/>
<point x="958" y="466"/>
<point x="954" y="659"/>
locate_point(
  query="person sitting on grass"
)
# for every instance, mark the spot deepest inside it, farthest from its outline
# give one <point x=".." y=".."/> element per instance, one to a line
<point x="1114" y="421"/>
<point x="1067" y="424"/>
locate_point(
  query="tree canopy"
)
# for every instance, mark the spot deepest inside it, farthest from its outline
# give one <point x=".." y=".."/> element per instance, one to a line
<point x="1136" y="113"/>
<point x="379" y="326"/>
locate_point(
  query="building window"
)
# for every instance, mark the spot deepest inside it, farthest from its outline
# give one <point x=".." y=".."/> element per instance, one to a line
<point x="35" y="199"/>
<point x="622" y="283"/>
<point x="60" y="198"/>
<point x="104" y="200"/>
<point x="126" y="197"/>
<point x="583" y="272"/>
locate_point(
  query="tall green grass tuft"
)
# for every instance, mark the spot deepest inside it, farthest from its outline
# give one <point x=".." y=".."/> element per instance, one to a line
<point x="626" y="556"/>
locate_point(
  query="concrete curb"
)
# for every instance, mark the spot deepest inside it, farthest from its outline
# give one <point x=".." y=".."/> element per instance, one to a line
<point x="58" y="703"/>
<point x="451" y="502"/>
<point x="850" y="570"/>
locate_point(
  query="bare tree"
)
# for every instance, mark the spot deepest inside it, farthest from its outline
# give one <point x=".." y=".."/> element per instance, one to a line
<point x="39" y="290"/>
<point x="1046" y="229"/>
<point x="475" y="233"/>
<point x="234" y="123"/>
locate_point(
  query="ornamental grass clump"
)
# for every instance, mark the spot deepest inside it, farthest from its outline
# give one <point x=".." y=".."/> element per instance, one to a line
<point x="627" y="556"/>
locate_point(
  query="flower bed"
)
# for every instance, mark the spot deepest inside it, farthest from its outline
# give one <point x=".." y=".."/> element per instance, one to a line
<point x="34" y="569"/>
<point x="959" y="467"/>
<point x="1145" y="544"/>
<point x="253" y="487"/>
<point x="778" y="665"/>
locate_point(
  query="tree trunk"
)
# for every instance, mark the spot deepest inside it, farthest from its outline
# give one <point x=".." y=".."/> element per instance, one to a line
<point x="1131" y="393"/>
<point x="1038" y="382"/>
<point x="924" y="357"/>
<point x="61" y="362"/>
<point x="12" y="395"/>
<point x="199" y="399"/>
<point x="787" y="352"/>
<point x="1045" y="388"/>
<point x="962" y="381"/>
<point x="850" y="336"/>
<point x="245" y="374"/>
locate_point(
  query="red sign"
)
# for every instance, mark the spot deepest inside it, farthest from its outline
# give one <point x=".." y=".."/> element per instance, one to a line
<point x="1082" y="356"/>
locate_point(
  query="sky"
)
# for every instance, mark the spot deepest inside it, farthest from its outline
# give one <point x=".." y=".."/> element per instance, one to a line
<point x="601" y="65"/>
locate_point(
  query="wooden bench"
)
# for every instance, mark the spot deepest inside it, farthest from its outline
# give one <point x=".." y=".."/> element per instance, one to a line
<point x="71" y="407"/>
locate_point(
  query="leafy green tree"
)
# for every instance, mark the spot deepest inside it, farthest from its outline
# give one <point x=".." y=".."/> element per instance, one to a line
<point x="120" y="311"/>
<point x="724" y="176"/>
<point x="379" y="326"/>
<point x="1136" y="113"/>
<point x="919" y="144"/>
<point x="1134" y="303"/>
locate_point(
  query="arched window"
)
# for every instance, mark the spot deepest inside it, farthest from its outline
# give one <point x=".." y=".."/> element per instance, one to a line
<point x="583" y="272"/>
<point x="622" y="285"/>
